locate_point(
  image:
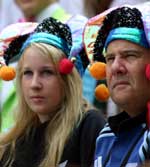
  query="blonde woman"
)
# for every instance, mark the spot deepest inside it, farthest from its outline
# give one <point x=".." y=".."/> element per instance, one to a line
<point x="29" y="11"/>
<point x="52" y="126"/>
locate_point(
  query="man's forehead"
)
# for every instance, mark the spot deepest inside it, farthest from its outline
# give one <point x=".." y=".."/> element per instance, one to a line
<point x="124" y="45"/>
<point x="134" y="49"/>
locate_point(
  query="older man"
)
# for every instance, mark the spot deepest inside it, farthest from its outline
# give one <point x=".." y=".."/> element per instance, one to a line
<point x="124" y="45"/>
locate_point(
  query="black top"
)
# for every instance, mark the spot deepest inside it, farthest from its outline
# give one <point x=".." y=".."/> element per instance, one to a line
<point x="123" y="122"/>
<point x="78" y="151"/>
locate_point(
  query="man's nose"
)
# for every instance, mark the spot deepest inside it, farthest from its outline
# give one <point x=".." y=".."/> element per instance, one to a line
<point x="118" y="66"/>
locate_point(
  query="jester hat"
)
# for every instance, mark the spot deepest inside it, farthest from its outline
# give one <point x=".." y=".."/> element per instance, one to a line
<point x="50" y="31"/>
<point x="124" y="22"/>
<point x="97" y="70"/>
<point x="17" y="33"/>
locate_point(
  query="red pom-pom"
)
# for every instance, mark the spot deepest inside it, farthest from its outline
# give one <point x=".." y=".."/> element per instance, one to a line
<point x="65" y="66"/>
<point x="148" y="115"/>
<point x="147" y="71"/>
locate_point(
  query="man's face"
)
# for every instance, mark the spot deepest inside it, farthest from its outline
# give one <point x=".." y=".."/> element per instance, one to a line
<point x="125" y="72"/>
<point x="32" y="8"/>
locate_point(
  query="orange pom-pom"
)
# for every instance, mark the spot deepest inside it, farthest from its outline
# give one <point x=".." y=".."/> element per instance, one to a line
<point x="101" y="92"/>
<point x="98" y="70"/>
<point x="7" y="73"/>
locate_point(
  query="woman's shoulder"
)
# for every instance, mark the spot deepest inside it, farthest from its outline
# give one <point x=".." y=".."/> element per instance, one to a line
<point x="94" y="117"/>
<point x="81" y="145"/>
<point x="91" y="124"/>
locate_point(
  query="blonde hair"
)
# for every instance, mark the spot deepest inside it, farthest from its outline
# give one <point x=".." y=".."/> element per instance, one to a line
<point x="61" y="125"/>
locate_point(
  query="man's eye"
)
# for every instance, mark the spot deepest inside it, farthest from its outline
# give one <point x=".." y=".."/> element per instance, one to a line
<point x="109" y="59"/>
<point x="131" y="56"/>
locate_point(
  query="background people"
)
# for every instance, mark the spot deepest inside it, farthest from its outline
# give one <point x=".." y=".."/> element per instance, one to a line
<point x="36" y="10"/>
<point x="94" y="7"/>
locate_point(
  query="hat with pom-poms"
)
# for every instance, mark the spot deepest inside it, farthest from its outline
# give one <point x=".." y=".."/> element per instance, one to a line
<point x="123" y="22"/>
<point x="96" y="68"/>
<point x="77" y="24"/>
<point x="11" y="40"/>
<point x="53" y="32"/>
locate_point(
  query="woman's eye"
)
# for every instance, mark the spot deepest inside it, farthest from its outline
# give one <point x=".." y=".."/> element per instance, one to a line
<point x="27" y="73"/>
<point x="48" y="72"/>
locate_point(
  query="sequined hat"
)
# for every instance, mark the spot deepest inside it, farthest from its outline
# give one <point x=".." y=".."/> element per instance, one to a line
<point x="53" y="32"/>
<point x="127" y="23"/>
<point x="123" y="23"/>
<point x="11" y="39"/>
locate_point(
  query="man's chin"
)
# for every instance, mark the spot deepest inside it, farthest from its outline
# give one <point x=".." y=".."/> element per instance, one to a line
<point x="120" y="100"/>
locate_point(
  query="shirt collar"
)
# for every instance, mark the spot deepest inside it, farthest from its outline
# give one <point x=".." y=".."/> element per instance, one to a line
<point x="123" y="122"/>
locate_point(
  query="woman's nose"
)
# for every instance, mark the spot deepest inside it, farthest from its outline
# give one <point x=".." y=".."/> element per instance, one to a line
<point x="36" y="82"/>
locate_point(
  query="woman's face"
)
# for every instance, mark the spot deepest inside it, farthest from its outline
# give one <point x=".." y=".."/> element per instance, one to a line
<point x="40" y="83"/>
